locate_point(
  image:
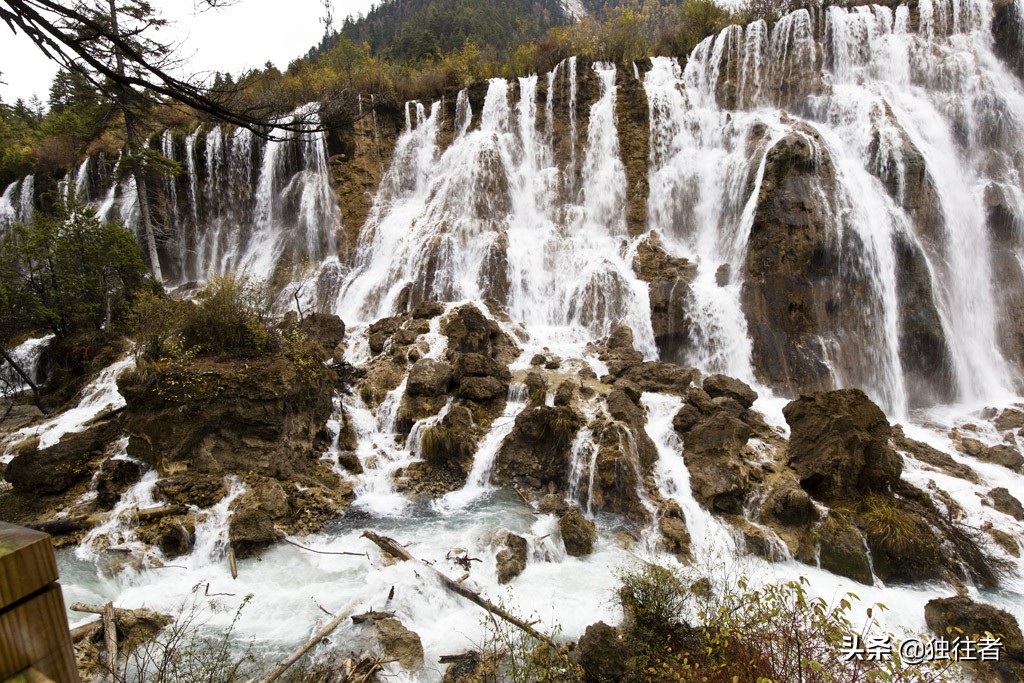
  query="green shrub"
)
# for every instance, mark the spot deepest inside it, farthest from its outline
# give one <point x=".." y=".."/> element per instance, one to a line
<point x="231" y="316"/>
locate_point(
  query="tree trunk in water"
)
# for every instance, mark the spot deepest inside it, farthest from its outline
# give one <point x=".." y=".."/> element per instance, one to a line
<point x="24" y="376"/>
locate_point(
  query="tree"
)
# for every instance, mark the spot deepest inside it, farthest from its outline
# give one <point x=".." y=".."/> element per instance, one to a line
<point x="86" y="38"/>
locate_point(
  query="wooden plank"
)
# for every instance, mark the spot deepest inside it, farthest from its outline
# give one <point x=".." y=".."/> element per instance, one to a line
<point x="27" y="563"/>
<point x="34" y="633"/>
<point x="30" y="676"/>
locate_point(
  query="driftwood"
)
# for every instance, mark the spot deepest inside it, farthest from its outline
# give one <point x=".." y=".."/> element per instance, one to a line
<point x="323" y="552"/>
<point x="371" y="616"/>
<point x="110" y="639"/>
<point x="395" y="549"/>
<point x="232" y="564"/>
<point x="82" y="632"/>
<point x="306" y="647"/>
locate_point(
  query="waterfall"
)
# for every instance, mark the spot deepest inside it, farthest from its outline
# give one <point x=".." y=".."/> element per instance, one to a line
<point x="27" y="355"/>
<point x="17" y="203"/>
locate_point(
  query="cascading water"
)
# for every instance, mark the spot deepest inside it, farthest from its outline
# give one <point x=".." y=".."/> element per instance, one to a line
<point x="17" y="203"/>
<point x="555" y="262"/>
<point x="912" y="129"/>
<point x="27" y="355"/>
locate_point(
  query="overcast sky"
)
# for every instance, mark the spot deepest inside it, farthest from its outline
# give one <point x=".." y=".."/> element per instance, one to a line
<point x="233" y="39"/>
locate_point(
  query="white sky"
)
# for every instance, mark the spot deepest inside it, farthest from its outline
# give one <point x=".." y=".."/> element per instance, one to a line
<point x="234" y="39"/>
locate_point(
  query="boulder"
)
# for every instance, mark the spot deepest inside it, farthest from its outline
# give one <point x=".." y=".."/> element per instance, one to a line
<point x="1003" y="501"/>
<point x="511" y="559"/>
<point x="380" y="332"/>
<point x="789" y="505"/>
<point x="472" y="667"/>
<point x="113" y="478"/>
<point x="470" y="331"/>
<point x="400" y="643"/>
<point x="324" y="330"/>
<point x="603" y="653"/>
<point x="57" y="468"/>
<point x="1010" y="419"/>
<point x="664" y="378"/>
<point x="839" y="445"/>
<point x="617" y="350"/>
<point x="429" y="377"/>
<point x="578" y="533"/>
<point x="669" y="280"/>
<point x="949" y="617"/>
<point x="714" y="452"/>
<point x="720" y="385"/>
<point x="481" y="388"/>
<point x="537" y="450"/>
<point x="841" y="549"/>
<point x="480" y="365"/>
<point x="553" y="504"/>
<point x="675" y="534"/>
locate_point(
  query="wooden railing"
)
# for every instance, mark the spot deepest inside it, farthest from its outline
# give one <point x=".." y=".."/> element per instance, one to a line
<point x="35" y="644"/>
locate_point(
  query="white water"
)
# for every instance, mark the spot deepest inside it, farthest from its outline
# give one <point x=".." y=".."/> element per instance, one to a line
<point x="27" y="355"/>
<point x="99" y="396"/>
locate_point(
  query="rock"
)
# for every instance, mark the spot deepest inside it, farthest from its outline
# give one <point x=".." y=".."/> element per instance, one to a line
<point x="56" y="469"/>
<point x="470" y="331"/>
<point x="250" y="530"/>
<point x="479" y="365"/>
<point x="553" y="504"/>
<point x="113" y="478"/>
<point x="686" y="419"/>
<point x="1007" y="542"/>
<point x="565" y="394"/>
<point x="263" y="415"/>
<point x="1007" y="456"/>
<point x="1003" y="501"/>
<point x="537" y="387"/>
<point x="789" y="505"/>
<point x="512" y="558"/>
<point x="615" y="474"/>
<point x="841" y="550"/>
<point x="201" y="490"/>
<point x="578" y="533"/>
<point x="720" y="385"/>
<point x="429" y="377"/>
<point x="472" y="667"/>
<point x="481" y="388"/>
<point x="603" y="653"/>
<point x="400" y="643"/>
<point x="714" y="454"/>
<point x="538" y="360"/>
<point x="618" y="352"/>
<point x="449" y="444"/>
<point x="1010" y="419"/>
<point x="664" y="378"/>
<point x="323" y="329"/>
<point x="380" y="332"/>
<point x="537" y="449"/>
<point x="672" y="526"/>
<point x="839" y="445"/>
<point x="669" y="280"/>
<point x="427" y="309"/>
<point x="974" y="619"/>
<point x="932" y="456"/>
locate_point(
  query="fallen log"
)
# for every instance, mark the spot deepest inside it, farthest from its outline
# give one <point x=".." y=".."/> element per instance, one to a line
<point x="110" y="639"/>
<point x="232" y="563"/>
<point x="395" y="549"/>
<point x="307" y="646"/>
<point x="82" y="632"/>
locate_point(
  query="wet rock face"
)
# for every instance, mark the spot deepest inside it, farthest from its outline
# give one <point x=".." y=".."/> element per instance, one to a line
<point x="974" y="619"/>
<point x="400" y="643"/>
<point x="429" y="377"/>
<point x="578" y="533"/>
<point x="839" y="445"/>
<point x="719" y="473"/>
<point x="668" y="281"/>
<point x="260" y="415"/>
<point x="791" y="264"/>
<point x="470" y="331"/>
<point x="512" y="557"/>
<point x="1008" y="35"/>
<point x="56" y="469"/>
<point x="537" y="451"/>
